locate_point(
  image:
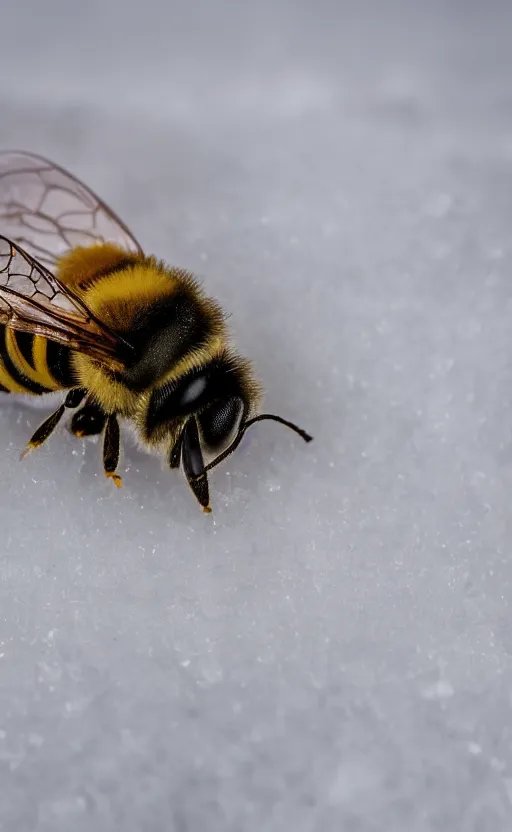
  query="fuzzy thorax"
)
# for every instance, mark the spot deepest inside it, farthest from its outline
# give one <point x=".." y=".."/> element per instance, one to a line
<point x="161" y="311"/>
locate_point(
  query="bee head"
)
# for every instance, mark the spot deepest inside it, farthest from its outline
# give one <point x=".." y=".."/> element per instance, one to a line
<point x="205" y="413"/>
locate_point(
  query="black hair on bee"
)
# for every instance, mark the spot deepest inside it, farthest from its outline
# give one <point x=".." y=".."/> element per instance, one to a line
<point x="83" y="310"/>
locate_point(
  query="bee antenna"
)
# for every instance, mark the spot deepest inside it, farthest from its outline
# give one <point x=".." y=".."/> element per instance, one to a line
<point x="246" y="425"/>
<point x="305" y="436"/>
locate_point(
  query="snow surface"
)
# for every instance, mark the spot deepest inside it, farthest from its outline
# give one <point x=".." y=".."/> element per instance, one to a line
<point x="331" y="649"/>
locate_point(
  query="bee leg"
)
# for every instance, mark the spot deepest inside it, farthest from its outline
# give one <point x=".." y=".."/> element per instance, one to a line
<point x="175" y="452"/>
<point x="111" y="444"/>
<point x="193" y="465"/>
<point x="44" y="431"/>
<point x="90" y="420"/>
<point x="73" y="399"/>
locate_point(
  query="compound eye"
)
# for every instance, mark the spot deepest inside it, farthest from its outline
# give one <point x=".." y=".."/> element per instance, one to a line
<point x="219" y="420"/>
<point x="174" y="401"/>
<point x="192" y="393"/>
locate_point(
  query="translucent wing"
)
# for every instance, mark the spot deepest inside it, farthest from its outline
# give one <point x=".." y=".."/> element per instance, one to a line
<point x="47" y="211"/>
<point x="33" y="300"/>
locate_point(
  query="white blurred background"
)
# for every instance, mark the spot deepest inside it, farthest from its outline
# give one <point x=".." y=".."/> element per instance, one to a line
<point x="331" y="649"/>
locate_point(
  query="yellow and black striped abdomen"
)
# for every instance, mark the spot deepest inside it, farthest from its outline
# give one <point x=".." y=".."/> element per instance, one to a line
<point x="33" y="365"/>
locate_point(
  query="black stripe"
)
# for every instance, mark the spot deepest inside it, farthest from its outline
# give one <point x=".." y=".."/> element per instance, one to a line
<point x="120" y="266"/>
<point x="25" y="342"/>
<point x="16" y="374"/>
<point x="58" y="361"/>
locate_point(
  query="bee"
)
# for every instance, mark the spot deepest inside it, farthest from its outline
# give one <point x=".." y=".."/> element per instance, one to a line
<point x="123" y="336"/>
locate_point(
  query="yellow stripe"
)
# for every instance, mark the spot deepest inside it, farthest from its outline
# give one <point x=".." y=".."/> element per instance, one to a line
<point x="44" y="376"/>
<point x="17" y="357"/>
<point x="8" y="382"/>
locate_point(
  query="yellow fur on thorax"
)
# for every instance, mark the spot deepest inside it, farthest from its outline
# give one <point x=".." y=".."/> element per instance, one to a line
<point x="79" y="267"/>
<point x="115" y="298"/>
